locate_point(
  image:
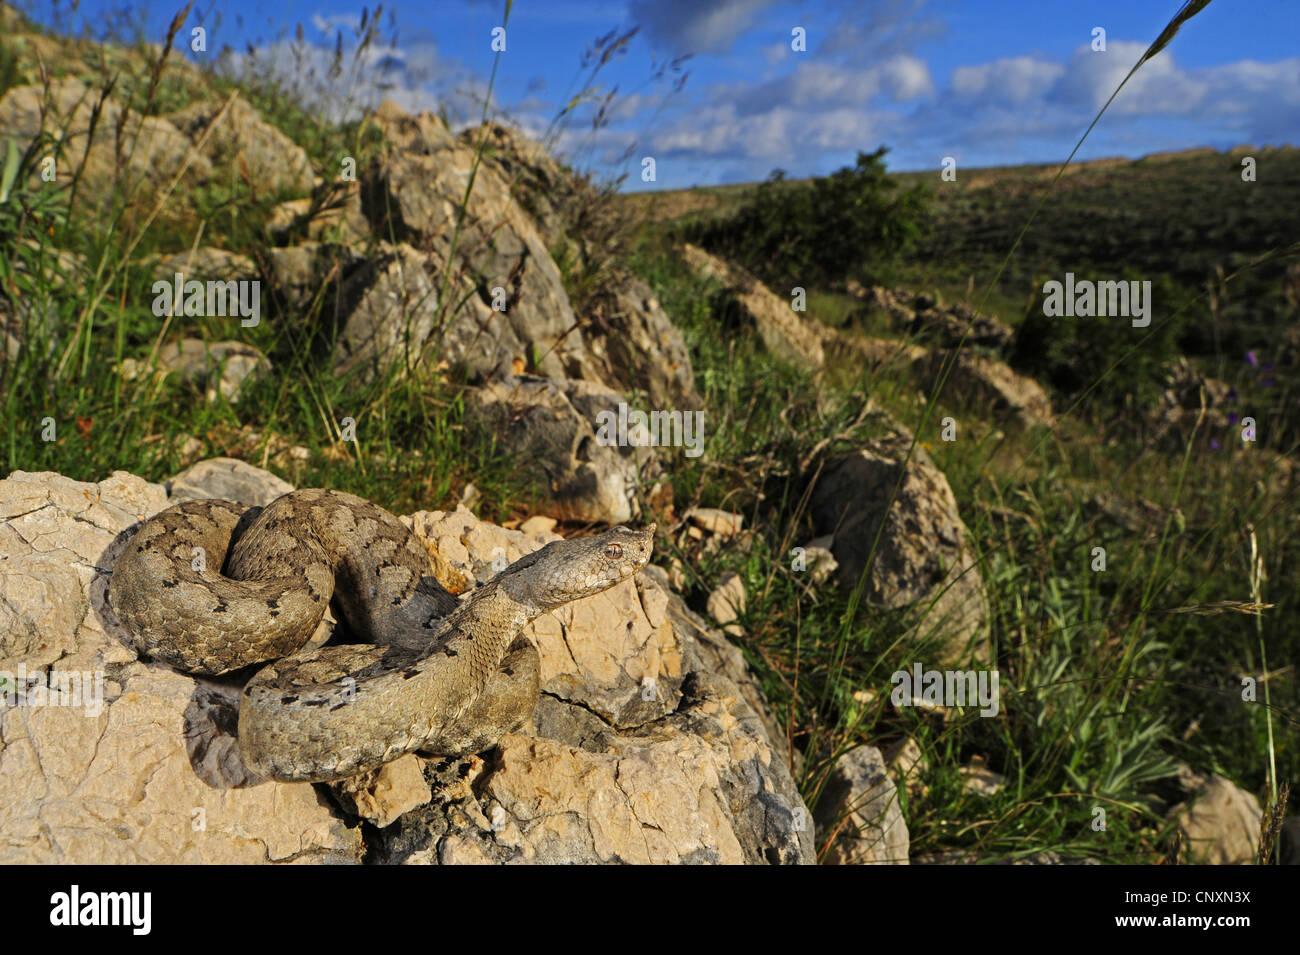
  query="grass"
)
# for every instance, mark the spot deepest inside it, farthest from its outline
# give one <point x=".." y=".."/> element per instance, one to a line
<point x="1109" y="679"/>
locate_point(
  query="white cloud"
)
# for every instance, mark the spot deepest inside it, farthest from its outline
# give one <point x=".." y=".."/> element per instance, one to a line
<point x="1016" y="79"/>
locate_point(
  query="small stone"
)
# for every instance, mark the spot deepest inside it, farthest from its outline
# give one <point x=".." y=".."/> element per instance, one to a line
<point x="1219" y="823"/>
<point x="727" y="602"/>
<point x="859" y="814"/>
<point x="715" y="521"/>
<point x="538" y="524"/>
<point x="381" y="795"/>
<point x="980" y="780"/>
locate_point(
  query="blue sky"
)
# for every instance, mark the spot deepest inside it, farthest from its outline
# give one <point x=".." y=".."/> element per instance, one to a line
<point x="989" y="82"/>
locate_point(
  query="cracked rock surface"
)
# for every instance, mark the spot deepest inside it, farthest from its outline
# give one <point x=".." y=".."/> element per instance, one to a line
<point x="649" y="744"/>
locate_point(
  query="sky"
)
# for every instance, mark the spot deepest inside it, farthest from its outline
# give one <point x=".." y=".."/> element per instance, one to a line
<point x="715" y="93"/>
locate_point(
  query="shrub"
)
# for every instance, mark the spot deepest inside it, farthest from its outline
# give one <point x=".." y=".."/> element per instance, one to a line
<point x="850" y="224"/>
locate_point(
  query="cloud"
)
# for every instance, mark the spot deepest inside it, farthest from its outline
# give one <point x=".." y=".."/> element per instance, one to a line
<point x="1014" y="80"/>
<point x="412" y="75"/>
<point x="817" y="83"/>
<point x="696" y="26"/>
<point x="869" y="30"/>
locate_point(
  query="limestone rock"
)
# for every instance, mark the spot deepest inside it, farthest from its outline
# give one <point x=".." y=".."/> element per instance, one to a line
<point x="784" y="332"/>
<point x="727" y="602"/>
<point x="537" y="181"/>
<point x="923" y="318"/>
<point x="206" y="263"/>
<point x="243" y="140"/>
<point x="413" y="194"/>
<point x="148" y="775"/>
<point x="923" y="559"/>
<point x="906" y="765"/>
<point x="716" y="521"/>
<point x="299" y="274"/>
<point x="979" y="780"/>
<point x="1219" y="823"/>
<point x="226" y="479"/>
<point x="988" y="382"/>
<point x="553" y="425"/>
<point x="859" y="813"/>
<point x="644" y="749"/>
<point x="382" y="795"/>
<point x="154" y="150"/>
<point x="637" y="346"/>
<point x="331" y="214"/>
<point x="393" y="316"/>
<point x="217" y="367"/>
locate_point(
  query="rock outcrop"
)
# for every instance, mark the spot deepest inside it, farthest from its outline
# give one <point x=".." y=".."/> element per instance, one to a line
<point x="784" y="332"/>
<point x="923" y="558"/>
<point x="642" y="749"/>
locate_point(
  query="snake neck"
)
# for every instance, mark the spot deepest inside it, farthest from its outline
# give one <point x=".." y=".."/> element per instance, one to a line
<point x="492" y="615"/>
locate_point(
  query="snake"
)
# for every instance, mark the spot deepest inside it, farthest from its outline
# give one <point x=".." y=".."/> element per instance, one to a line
<point x="212" y="586"/>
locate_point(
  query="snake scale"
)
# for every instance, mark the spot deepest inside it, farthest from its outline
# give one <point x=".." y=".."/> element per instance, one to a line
<point x="213" y="586"/>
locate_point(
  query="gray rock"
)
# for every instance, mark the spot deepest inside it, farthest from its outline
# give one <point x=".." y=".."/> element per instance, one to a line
<point x="638" y="347"/>
<point x="858" y="813"/>
<point x="219" y="367"/>
<point x="226" y="479"/>
<point x="413" y="195"/>
<point x="242" y="140"/>
<point x="552" y="425"/>
<point x="300" y="274"/>
<point x="784" y="331"/>
<point x="151" y="775"/>
<point x="154" y="151"/>
<point x="923" y="560"/>
<point x="393" y="316"/>
<point x="642" y="753"/>
<point x="537" y="181"/>
<point x="727" y="602"/>
<point x="206" y="263"/>
<point x="1219" y="822"/>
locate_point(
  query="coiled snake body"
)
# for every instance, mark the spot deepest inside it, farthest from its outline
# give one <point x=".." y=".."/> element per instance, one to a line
<point x="438" y="675"/>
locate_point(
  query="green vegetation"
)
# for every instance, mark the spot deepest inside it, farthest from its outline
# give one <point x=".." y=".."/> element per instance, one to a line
<point x="847" y="225"/>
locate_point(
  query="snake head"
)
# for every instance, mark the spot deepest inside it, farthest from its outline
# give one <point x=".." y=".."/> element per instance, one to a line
<point x="571" y="569"/>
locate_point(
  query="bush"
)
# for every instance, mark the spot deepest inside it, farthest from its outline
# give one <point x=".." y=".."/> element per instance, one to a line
<point x="849" y="224"/>
<point x="1071" y="354"/>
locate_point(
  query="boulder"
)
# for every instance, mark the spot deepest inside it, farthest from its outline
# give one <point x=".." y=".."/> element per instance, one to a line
<point x="1219" y="822"/>
<point x="924" y="558"/>
<point x="637" y="346"/>
<point x="147" y="770"/>
<point x="154" y="151"/>
<point x="859" y="815"/>
<point x="217" y="367"/>
<point x="553" y="425"/>
<point x="784" y="332"/>
<point x="412" y="196"/>
<point x="269" y="160"/>
<point x="641" y="748"/>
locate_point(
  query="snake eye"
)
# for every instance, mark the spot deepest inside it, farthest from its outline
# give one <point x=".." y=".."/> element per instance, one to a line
<point x="613" y="551"/>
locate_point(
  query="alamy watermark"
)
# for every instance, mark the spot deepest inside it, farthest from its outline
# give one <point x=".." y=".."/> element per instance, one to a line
<point x="242" y="298"/>
<point x="75" y="907"/>
<point x="946" y="688"/>
<point x="72" y="688"/>
<point x="1086" y="299"/>
<point x="658" y="429"/>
